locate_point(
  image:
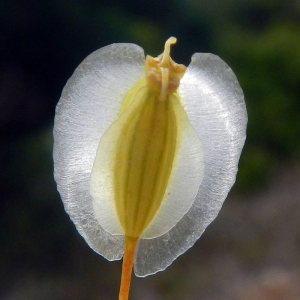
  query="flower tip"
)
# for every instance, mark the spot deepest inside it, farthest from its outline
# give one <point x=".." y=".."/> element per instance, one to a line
<point x="166" y="54"/>
<point x="172" y="40"/>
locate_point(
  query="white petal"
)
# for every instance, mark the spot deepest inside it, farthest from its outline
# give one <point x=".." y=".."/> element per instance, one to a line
<point x="214" y="102"/>
<point x="90" y="102"/>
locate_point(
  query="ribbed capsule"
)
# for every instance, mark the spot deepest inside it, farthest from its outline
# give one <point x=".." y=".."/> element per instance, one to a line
<point x="138" y="171"/>
<point x="147" y="150"/>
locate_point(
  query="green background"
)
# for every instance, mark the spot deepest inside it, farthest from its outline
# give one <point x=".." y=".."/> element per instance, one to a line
<point x="252" y="249"/>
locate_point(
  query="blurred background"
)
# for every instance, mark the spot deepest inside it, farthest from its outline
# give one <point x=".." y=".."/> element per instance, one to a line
<point x="251" y="251"/>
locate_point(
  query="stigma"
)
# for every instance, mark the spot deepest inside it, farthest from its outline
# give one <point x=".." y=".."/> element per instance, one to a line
<point x="163" y="75"/>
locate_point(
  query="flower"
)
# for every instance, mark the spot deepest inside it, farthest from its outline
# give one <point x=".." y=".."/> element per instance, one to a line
<point x="146" y="151"/>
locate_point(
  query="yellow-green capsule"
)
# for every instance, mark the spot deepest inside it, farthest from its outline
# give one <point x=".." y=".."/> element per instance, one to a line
<point x="146" y="151"/>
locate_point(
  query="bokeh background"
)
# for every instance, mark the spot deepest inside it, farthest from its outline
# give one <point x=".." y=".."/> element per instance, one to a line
<point x="251" y="251"/>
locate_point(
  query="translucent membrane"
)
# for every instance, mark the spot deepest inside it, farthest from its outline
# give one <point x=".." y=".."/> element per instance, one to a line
<point x="211" y="123"/>
<point x="90" y="102"/>
<point x="214" y="103"/>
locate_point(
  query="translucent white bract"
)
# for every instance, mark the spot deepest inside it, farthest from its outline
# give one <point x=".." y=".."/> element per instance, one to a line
<point x="90" y="102"/>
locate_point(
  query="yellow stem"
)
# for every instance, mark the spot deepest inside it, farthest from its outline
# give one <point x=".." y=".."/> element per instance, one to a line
<point x="128" y="258"/>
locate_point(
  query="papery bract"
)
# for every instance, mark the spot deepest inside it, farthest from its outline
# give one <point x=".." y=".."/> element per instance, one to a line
<point x="117" y="106"/>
